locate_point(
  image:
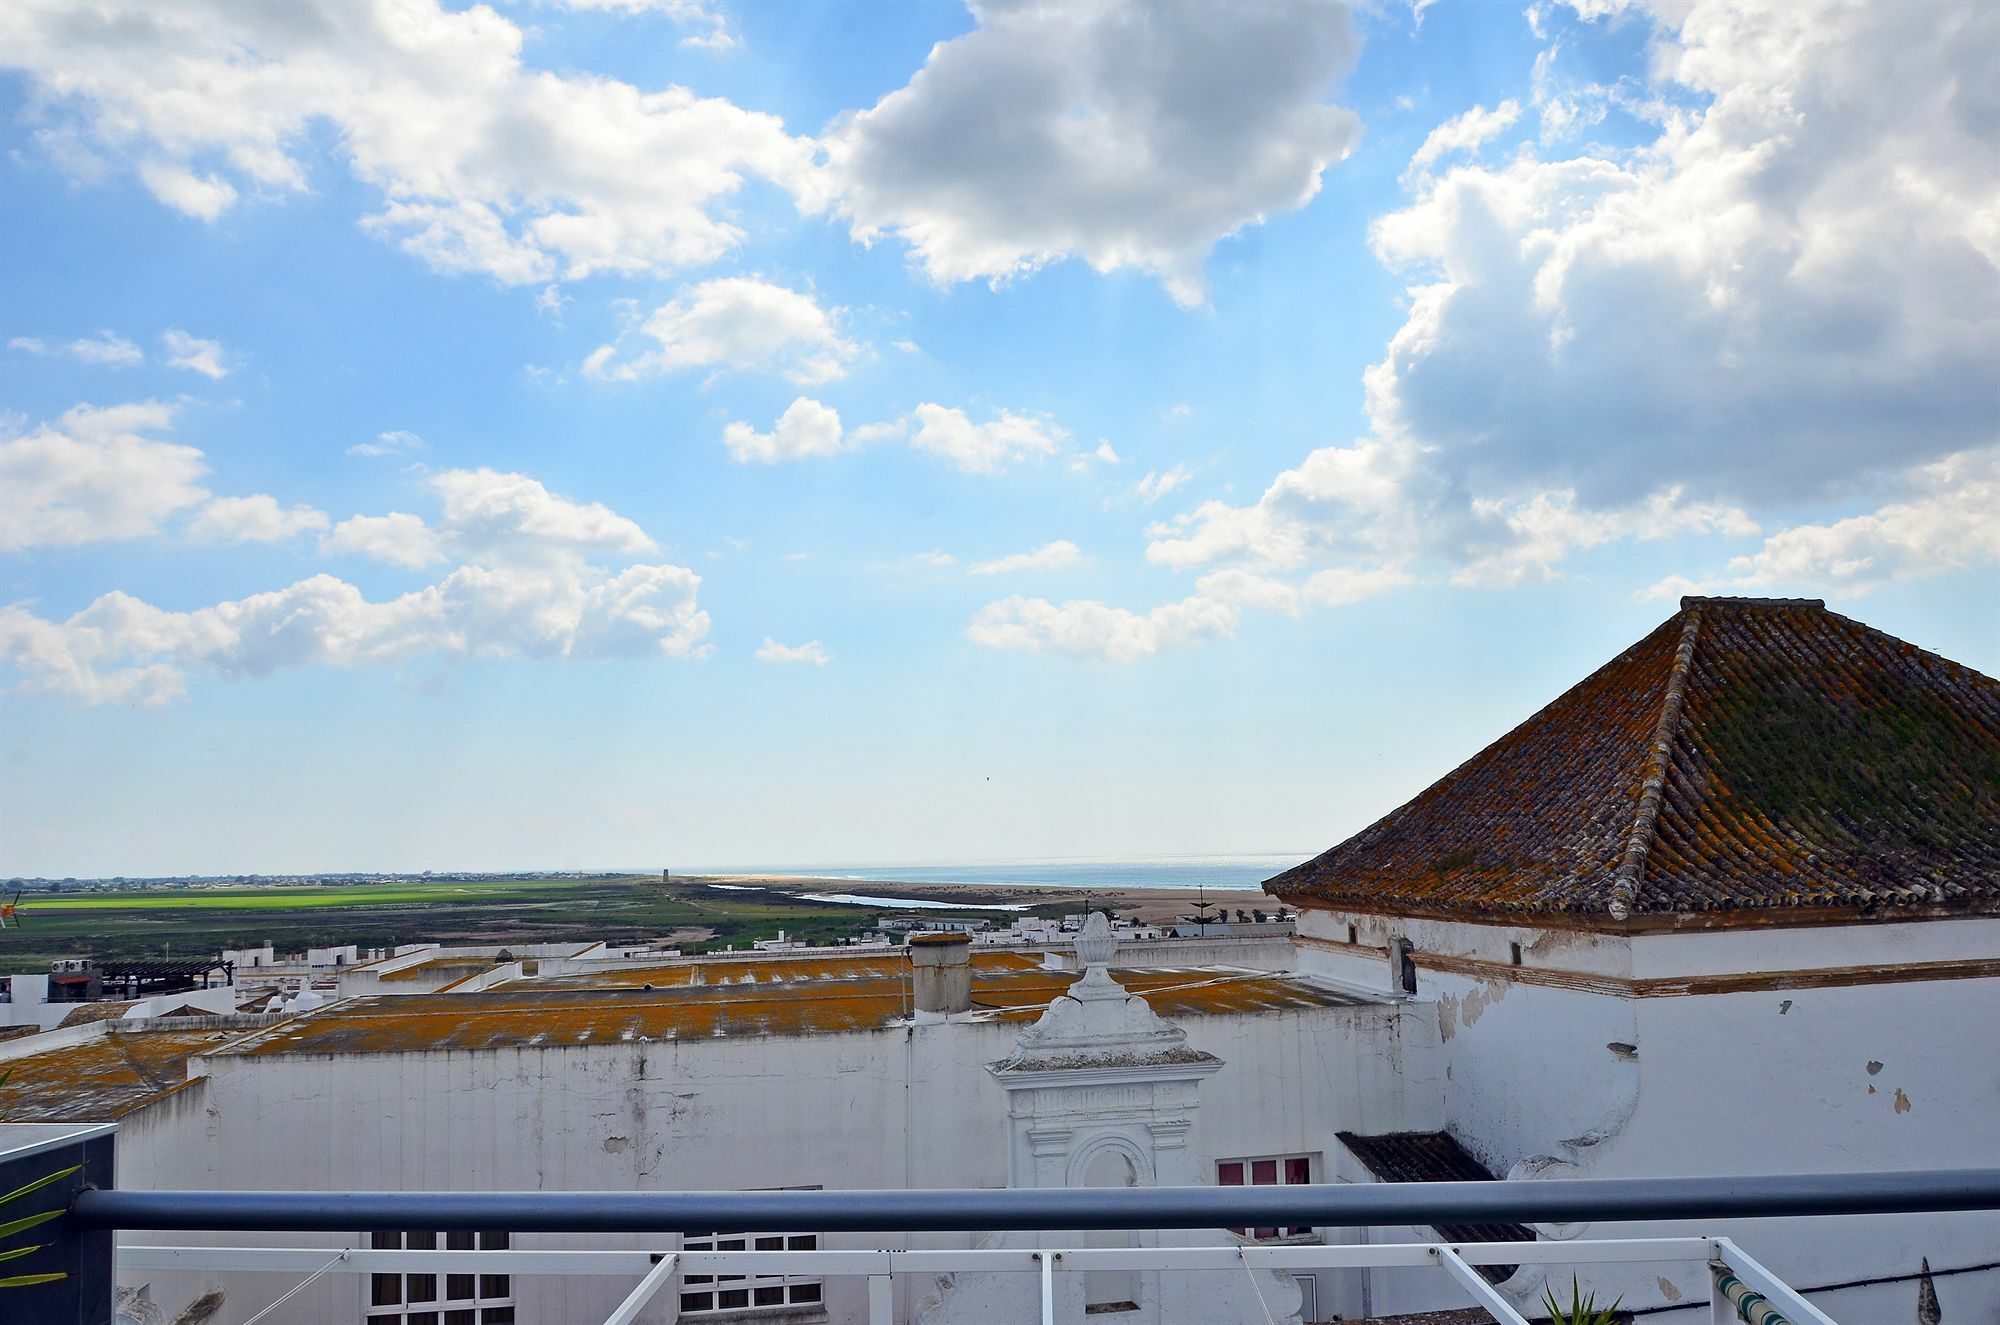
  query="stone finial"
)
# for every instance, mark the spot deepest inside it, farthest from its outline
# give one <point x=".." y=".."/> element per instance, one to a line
<point x="1096" y="944"/>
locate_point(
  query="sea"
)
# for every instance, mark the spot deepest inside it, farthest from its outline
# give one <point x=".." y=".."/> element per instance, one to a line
<point x="1222" y="873"/>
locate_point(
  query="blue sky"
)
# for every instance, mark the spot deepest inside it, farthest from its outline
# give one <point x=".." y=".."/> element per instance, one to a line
<point x="652" y="432"/>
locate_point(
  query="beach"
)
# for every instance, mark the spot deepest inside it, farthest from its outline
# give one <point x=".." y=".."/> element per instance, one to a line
<point x="1154" y="905"/>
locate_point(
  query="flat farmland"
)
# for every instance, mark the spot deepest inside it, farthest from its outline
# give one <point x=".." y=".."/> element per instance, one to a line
<point x="190" y="922"/>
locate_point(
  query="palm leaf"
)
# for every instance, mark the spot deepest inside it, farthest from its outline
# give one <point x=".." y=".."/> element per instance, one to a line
<point x="12" y="1227"/>
<point x="30" y="1280"/>
<point x="40" y="1183"/>
<point x="19" y="1252"/>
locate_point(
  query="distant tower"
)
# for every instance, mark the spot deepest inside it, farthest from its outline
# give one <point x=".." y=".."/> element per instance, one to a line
<point x="666" y="876"/>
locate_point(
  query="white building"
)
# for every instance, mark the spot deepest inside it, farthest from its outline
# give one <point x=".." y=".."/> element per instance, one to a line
<point x="1730" y="906"/>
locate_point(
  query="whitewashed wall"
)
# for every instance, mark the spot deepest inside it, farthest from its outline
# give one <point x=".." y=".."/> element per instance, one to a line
<point x="900" y="1107"/>
<point x="1723" y="1084"/>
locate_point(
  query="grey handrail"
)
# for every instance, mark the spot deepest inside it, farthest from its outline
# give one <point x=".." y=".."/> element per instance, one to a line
<point x="957" y="1210"/>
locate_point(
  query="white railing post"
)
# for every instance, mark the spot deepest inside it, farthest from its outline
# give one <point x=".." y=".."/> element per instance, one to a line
<point x="881" y="1300"/>
<point x="656" y="1279"/>
<point x="1048" y="1260"/>
<point x="1473" y="1282"/>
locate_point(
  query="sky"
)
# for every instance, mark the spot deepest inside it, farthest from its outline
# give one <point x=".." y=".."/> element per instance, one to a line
<point x="641" y="433"/>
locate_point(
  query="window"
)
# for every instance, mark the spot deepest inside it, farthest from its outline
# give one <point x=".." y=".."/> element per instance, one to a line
<point x="732" y="1292"/>
<point x="1267" y="1171"/>
<point x="439" y="1299"/>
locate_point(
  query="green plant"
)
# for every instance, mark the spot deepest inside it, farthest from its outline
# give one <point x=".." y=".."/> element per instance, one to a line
<point x="22" y="1225"/>
<point x="1582" y="1308"/>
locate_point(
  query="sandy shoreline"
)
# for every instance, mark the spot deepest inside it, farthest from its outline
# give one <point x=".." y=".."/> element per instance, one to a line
<point x="1149" y="904"/>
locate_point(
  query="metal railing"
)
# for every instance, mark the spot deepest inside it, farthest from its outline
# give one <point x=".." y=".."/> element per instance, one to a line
<point x="655" y="1272"/>
<point x="1740" y="1284"/>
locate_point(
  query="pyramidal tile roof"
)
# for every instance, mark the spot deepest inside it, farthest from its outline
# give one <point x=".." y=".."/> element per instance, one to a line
<point x="1748" y="754"/>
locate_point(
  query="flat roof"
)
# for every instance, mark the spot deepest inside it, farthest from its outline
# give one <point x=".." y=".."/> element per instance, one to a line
<point x="763" y="968"/>
<point x="104" y="1078"/>
<point x="537" y="1014"/>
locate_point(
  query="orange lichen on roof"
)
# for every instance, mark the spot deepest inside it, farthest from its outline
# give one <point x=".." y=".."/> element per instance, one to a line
<point x="1749" y="755"/>
<point x="760" y="969"/>
<point x="104" y="1078"/>
<point x="527" y="1015"/>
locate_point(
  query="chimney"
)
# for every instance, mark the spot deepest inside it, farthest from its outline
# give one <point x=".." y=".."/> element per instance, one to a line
<point x="941" y="968"/>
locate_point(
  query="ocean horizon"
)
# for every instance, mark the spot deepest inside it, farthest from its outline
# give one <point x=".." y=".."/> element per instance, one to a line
<point x="1236" y="873"/>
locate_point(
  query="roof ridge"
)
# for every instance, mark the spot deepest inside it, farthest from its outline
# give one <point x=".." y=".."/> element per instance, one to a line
<point x="1652" y="789"/>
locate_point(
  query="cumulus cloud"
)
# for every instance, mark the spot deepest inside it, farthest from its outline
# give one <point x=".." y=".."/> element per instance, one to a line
<point x="532" y="583"/>
<point x="1049" y="556"/>
<point x="1796" y="281"/>
<point x="1090" y="630"/>
<point x="812" y="651"/>
<point x="1132" y="135"/>
<point x="736" y="323"/>
<point x="1790" y="293"/>
<point x="120" y="649"/>
<point x="195" y="354"/>
<point x="256" y="519"/>
<point x="806" y="428"/>
<point x="983" y="448"/>
<point x="510" y="517"/>
<point x="1465" y="133"/>
<point x="482" y="164"/>
<point x="1947" y="519"/>
<point x="397" y="538"/>
<point x="95" y="474"/>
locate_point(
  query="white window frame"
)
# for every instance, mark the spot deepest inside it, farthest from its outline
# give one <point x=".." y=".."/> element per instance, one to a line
<point x="434" y="1312"/>
<point x="792" y="1290"/>
<point x="1283" y="1167"/>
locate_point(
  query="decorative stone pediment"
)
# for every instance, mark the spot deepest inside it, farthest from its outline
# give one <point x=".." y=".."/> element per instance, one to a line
<point x="1099" y="1024"/>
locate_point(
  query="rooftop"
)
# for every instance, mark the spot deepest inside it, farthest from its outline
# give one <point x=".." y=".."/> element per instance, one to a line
<point x="1432" y="1157"/>
<point x="1747" y="755"/>
<point x="102" y="1079"/>
<point x="535" y="1014"/>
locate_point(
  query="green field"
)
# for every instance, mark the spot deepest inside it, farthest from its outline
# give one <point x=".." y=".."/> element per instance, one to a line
<point x="138" y="923"/>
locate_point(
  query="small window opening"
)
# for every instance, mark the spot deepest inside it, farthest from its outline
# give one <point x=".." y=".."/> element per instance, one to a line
<point x="1514" y="953"/>
<point x="1353" y="934"/>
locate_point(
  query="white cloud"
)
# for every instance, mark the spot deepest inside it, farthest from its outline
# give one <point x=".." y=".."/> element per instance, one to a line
<point x="1242" y="588"/>
<point x="736" y="323"/>
<point x="397" y="538"/>
<point x="528" y="587"/>
<point x="123" y="650"/>
<point x="510" y="517"/>
<point x="806" y="428"/>
<point x="812" y="651"/>
<point x="1129" y="134"/>
<point x="482" y="164"/>
<point x="984" y="448"/>
<point x="1049" y="556"/>
<point x="1091" y="630"/>
<point x="95" y="474"/>
<point x="397" y="442"/>
<point x="194" y="354"/>
<point x="1157" y="485"/>
<point x="107" y="349"/>
<point x="255" y="519"/>
<point x="1465" y="133"/>
<point x="712" y="29"/>
<point x="1947" y="520"/>
<point x="1795" y="282"/>
<point x="1790" y="294"/>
